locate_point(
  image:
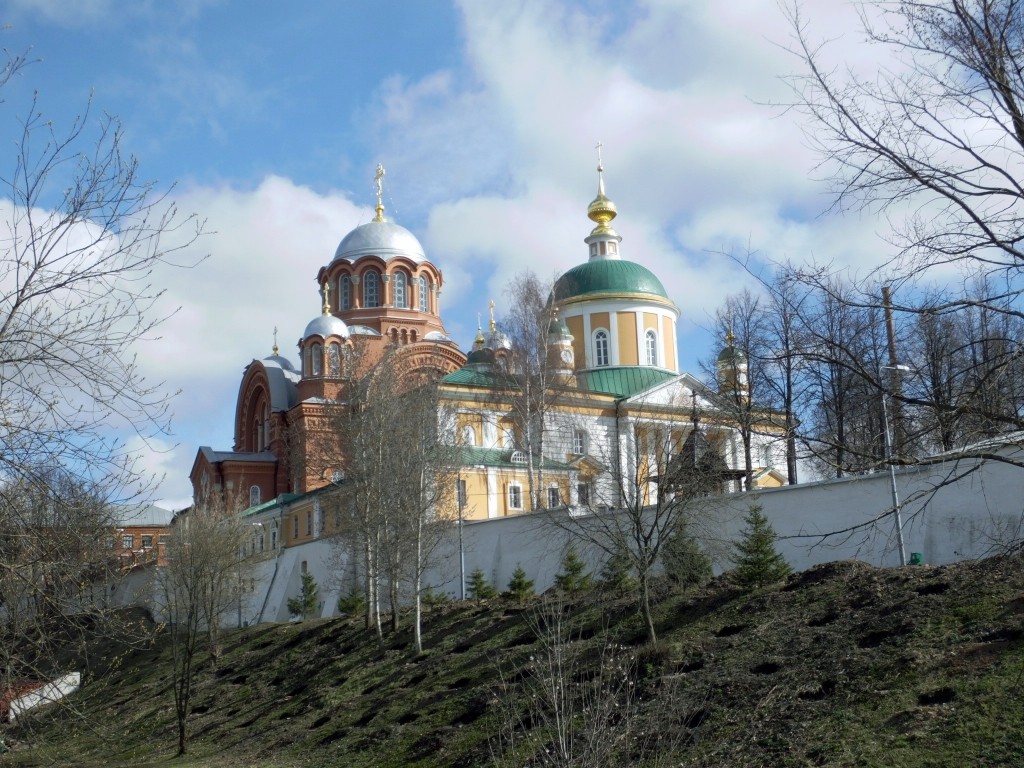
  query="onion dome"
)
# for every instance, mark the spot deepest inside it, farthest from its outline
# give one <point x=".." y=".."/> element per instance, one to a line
<point x="275" y="359"/>
<point x="557" y="329"/>
<point x="731" y="355"/>
<point x="326" y="324"/>
<point x="380" y="238"/>
<point x="608" y="277"/>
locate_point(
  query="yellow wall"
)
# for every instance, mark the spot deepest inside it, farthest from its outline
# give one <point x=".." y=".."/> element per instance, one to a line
<point x="476" y="495"/>
<point x="628" y="354"/>
<point x="506" y="432"/>
<point x="599" y="320"/>
<point x="579" y="344"/>
<point x="668" y="343"/>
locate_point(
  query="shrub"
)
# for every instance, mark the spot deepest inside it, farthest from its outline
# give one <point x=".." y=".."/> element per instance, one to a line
<point x="684" y="562"/>
<point x="758" y="564"/>
<point x="352" y="604"/>
<point x="479" y="587"/>
<point x="305" y="605"/>
<point x="432" y="599"/>
<point x="573" y="577"/>
<point x="617" y="572"/>
<point x="519" y="587"/>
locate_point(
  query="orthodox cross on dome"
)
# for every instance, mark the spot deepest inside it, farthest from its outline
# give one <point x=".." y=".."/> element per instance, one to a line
<point x="730" y="337"/>
<point x="492" y="316"/>
<point x="325" y="291"/>
<point x="378" y="179"/>
<point x="600" y="169"/>
<point x="275" y="341"/>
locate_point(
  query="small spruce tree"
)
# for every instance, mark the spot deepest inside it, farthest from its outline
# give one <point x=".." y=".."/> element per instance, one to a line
<point x="758" y="564"/>
<point x="432" y="599"/>
<point x="617" y="573"/>
<point x="479" y="587"/>
<point x="352" y="604"/>
<point x="684" y="563"/>
<point x="573" y="577"/>
<point x="306" y="603"/>
<point x="519" y="587"/>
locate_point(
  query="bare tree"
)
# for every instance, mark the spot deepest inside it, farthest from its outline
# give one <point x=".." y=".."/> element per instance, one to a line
<point x="83" y="236"/>
<point x="57" y="563"/>
<point x="198" y="586"/>
<point x="647" y="495"/>
<point x="531" y="312"/>
<point x="398" y="495"/>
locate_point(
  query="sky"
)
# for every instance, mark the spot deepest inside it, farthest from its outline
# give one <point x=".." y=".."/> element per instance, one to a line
<point x="267" y="120"/>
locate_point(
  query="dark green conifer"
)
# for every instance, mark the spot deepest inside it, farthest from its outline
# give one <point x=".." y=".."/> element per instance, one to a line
<point x="758" y="564"/>
<point x="305" y="605"/>
<point x="519" y="587"/>
<point x="684" y="563"/>
<point x="573" y="577"/>
<point x="479" y="587"/>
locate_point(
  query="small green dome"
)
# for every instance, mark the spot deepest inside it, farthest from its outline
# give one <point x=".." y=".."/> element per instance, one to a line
<point x="607" y="276"/>
<point x="730" y="355"/>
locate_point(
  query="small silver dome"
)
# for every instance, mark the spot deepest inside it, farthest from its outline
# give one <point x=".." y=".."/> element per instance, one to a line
<point x="326" y="325"/>
<point x="380" y="238"/>
<point x="496" y="340"/>
<point x="280" y="362"/>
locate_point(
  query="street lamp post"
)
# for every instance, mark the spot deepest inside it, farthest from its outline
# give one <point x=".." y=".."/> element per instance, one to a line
<point x="896" y="369"/>
<point x="462" y="551"/>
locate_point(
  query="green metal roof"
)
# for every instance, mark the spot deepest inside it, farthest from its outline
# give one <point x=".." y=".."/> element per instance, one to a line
<point x="622" y="382"/>
<point x="608" y="276"/>
<point x="472" y="377"/>
<point x="499" y="457"/>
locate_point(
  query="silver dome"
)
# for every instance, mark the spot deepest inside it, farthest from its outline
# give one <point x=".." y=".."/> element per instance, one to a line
<point x="281" y="362"/>
<point x="326" y="325"/>
<point x="380" y="238"/>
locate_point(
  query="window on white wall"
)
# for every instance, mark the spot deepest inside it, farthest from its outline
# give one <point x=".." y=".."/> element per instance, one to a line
<point x="583" y="493"/>
<point x="579" y="442"/>
<point x="468" y="435"/>
<point x="515" y="496"/>
<point x="601" y="347"/>
<point x="554" y="498"/>
<point x="651" y="345"/>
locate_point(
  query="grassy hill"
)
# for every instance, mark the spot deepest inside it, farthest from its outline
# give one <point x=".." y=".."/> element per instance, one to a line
<point x="843" y="664"/>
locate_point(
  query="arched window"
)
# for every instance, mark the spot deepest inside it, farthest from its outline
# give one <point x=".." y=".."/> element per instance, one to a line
<point x="307" y="361"/>
<point x="273" y="536"/>
<point x="421" y="294"/>
<point x="254" y="495"/>
<point x="317" y="354"/>
<point x="344" y="292"/>
<point x="334" y="360"/>
<point x="401" y="290"/>
<point x="601" y="347"/>
<point x="651" y="345"/>
<point x="371" y="289"/>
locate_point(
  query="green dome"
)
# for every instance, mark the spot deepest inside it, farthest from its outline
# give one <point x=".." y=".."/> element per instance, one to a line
<point x="731" y="355"/>
<point x="607" y="276"/>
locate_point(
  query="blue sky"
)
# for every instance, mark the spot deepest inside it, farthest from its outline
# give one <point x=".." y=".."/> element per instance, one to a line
<point x="271" y="118"/>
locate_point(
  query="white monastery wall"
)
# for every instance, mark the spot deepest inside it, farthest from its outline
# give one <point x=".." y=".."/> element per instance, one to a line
<point x="816" y="522"/>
